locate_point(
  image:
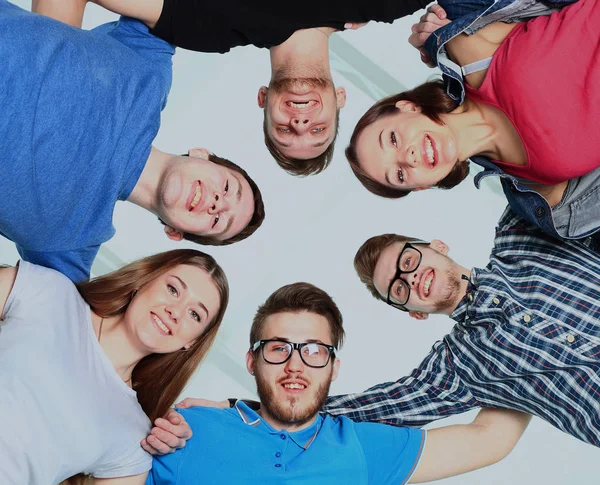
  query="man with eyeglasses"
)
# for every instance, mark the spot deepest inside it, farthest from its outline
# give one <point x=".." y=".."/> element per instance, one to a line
<point x="294" y="341"/>
<point x="527" y="332"/>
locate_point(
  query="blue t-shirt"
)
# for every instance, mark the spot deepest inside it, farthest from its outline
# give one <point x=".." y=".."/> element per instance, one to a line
<point x="80" y="110"/>
<point x="236" y="446"/>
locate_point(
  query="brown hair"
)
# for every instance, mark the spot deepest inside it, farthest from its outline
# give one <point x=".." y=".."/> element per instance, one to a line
<point x="431" y="97"/>
<point x="158" y="378"/>
<point x="298" y="166"/>
<point x="258" y="216"/>
<point x="368" y="254"/>
<point x="299" y="297"/>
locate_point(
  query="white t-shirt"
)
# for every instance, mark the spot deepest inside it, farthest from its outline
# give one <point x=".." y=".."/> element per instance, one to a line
<point x="63" y="408"/>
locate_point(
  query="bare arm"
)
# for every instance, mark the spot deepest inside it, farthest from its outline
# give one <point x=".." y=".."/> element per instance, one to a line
<point x="148" y="11"/>
<point x="67" y="11"/>
<point x="7" y="280"/>
<point x="462" y="448"/>
<point x="132" y="480"/>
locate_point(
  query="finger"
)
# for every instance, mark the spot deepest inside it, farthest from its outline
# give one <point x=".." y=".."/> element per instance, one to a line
<point x="149" y="448"/>
<point x="438" y="11"/>
<point x="181" y="430"/>
<point x="167" y="440"/>
<point x="174" y="417"/>
<point x="427" y="27"/>
<point x="160" y="447"/>
<point x="418" y="40"/>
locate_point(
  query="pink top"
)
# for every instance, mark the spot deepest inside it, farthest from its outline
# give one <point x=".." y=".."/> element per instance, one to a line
<point x="545" y="77"/>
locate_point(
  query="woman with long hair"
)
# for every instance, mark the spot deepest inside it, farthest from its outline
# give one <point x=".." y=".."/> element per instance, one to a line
<point x="532" y="100"/>
<point x="85" y="369"/>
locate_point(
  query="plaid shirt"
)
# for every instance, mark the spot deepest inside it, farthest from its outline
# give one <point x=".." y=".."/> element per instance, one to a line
<point x="527" y="337"/>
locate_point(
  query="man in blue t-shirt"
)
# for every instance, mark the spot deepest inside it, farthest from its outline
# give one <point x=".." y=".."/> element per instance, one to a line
<point x="80" y="110"/>
<point x="286" y="440"/>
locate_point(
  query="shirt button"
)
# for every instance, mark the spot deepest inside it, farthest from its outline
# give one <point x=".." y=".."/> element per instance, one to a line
<point x="470" y="297"/>
<point x="496" y="301"/>
<point x="282" y="436"/>
<point x="277" y="465"/>
<point x="278" y="454"/>
<point x="540" y="212"/>
<point x="527" y="319"/>
<point x="570" y="338"/>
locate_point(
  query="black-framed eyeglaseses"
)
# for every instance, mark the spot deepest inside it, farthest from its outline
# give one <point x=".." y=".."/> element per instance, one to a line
<point x="313" y="354"/>
<point x="408" y="262"/>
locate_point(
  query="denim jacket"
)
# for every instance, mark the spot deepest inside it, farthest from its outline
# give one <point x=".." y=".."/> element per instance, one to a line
<point x="468" y="16"/>
<point x="534" y="208"/>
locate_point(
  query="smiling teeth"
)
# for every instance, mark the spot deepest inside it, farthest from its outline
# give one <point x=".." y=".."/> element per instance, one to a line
<point x="429" y="150"/>
<point x="294" y="386"/>
<point x="196" y="196"/>
<point x="427" y="285"/>
<point x="161" y="325"/>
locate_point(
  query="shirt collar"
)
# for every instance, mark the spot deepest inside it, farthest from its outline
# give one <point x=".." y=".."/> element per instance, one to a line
<point x="460" y="313"/>
<point x="303" y="438"/>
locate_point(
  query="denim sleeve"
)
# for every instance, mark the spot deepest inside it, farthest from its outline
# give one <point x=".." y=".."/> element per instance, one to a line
<point x="433" y="391"/>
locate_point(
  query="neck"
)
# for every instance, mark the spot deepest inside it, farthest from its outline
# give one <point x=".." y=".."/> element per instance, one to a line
<point x="290" y="428"/>
<point x="145" y="192"/>
<point x="462" y="289"/>
<point x="118" y="345"/>
<point x="474" y="128"/>
<point x="305" y="54"/>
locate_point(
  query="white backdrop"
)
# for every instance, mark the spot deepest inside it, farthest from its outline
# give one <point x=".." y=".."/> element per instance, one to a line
<point x="314" y="227"/>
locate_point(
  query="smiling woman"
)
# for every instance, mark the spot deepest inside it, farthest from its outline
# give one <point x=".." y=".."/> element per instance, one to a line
<point x="117" y="351"/>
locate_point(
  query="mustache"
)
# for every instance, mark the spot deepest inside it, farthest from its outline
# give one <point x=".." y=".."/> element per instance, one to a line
<point x="280" y="84"/>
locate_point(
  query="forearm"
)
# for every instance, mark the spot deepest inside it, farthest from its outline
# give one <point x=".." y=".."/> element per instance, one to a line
<point x="67" y="11"/>
<point x="148" y="11"/>
<point x="453" y="450"/>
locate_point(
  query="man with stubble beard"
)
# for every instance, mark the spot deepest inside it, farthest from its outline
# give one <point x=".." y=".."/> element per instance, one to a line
<point x="294" y="342"/>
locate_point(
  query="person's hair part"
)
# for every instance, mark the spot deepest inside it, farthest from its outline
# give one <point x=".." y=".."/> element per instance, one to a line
<point x="158" y="379"/>
<point x="258" y="216"/>
<point x="297" y="166"/>
<point x="368" y="254"/>
<point x="296" y="298"/>
<point x="433" y="100"/>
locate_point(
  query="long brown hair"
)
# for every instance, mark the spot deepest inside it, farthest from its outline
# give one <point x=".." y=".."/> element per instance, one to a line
<point x="431" y="97"/>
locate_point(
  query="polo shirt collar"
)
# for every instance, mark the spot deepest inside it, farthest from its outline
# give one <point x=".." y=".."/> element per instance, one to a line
<point x="303" y="438"/>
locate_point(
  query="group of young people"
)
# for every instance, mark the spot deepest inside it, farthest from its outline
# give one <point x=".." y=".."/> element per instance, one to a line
<point x="81" y="110"/>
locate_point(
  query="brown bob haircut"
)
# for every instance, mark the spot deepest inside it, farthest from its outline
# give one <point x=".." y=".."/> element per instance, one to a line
<point x="258" y="216"/>
<point x="298" y="166"/>
<point x="296" y="298"/>
<point x="368" y="254"/>
<point x="431" y="97"/>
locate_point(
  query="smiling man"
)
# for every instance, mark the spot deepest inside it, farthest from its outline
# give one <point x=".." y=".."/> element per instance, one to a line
<point x="526" y="334"/>
<point x="294" y="342"/>
<point x="80" y="112"/>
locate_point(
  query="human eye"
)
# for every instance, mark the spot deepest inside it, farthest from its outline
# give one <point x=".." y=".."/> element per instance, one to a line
<point x="172" y="290"/>
<point x="318" y="130"/>
<point x="195" y="315"/>
<point x="216" y="220"/>
<point x="393" y="139"/>
<point x="400" y="175"/>
<point x="227" y="186"/>
<point x="406" y="262"/>
<point x="283" y="130"/>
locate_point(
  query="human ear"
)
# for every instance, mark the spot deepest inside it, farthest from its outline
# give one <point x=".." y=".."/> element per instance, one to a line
<point x="173" y="234"/>
<point x="262" y="96"/>
<point x="439" y="246"/>
<point x="250" y="362"/>
<point x="202" y="153"/>
<point x="336" y="369"/>
<point x="404" y="106"/>
<point x="419" y="315"/>
<point x="340" y="97"/>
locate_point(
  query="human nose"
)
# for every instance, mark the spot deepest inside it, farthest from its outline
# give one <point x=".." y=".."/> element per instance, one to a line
<point x="218" y="204"/>
<point x="294" y="363"/>
<point x="174" y="312"/>
<point x="300" y="123"/>
<point x="411" y="156"/>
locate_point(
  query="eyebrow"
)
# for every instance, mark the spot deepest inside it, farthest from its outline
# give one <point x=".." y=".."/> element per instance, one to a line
<point x="387" y="178"/>
<point x="185" y="287"/>
<point x="238" y="197"/>
<point x="308" y="341"/>
<point x="320" y="144"/>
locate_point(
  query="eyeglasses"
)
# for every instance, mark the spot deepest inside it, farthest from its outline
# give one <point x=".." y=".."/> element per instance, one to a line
<point x="409" y="260"/>
<point x="280" y="351"/>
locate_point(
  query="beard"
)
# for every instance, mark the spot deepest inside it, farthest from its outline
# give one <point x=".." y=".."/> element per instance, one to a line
<point x="289" y="412"/>
<point x="282" y="82"/>
<point x="449" y="297"/>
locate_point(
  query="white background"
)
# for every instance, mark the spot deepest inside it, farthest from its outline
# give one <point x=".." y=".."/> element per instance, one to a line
<point x="314" y="227"/>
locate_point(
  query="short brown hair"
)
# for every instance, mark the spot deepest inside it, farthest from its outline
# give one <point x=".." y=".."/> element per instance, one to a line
<point x="431" y="97"/>
<point x="368" y="254"/>
<point x="258" y="216"/>
<point x="295" y="298"/>
<point x="298" y="166"/>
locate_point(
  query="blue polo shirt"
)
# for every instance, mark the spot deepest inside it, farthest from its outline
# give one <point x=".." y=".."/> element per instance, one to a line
<point x="236" y="446"/>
